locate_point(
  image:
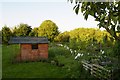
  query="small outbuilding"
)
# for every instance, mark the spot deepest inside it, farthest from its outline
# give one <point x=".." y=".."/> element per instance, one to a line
<point x="31" y="48"/>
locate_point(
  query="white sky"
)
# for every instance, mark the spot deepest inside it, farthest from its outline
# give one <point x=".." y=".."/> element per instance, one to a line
<point x="34" y="12"/>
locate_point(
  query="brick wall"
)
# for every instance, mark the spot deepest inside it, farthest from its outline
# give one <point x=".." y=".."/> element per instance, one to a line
<point x="27" y="53"/>
<point x="43" y="48"/>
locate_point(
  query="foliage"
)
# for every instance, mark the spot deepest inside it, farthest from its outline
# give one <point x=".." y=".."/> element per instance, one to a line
<point x="116" y="49"/>
<point x="0" y="33"/>
<point x="6" y="33"/>
<point x="106" y="13"/>
<point x="34" y="32"/>
<point x="0" y="37"/>
<point x="62" y="37"/>
<point x="87" y="36"/>
<point x="22" y="30"/>
<point x="81" y="37"/>
<point x="48" y="29"/>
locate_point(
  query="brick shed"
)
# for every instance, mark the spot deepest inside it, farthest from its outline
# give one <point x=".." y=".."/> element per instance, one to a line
<point x="31" y="48"/>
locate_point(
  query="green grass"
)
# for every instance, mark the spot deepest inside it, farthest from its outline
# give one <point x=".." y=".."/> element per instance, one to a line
<point x="36" y="69"/>
<point x="71" y="68"/>
<point x="27" y="70"/>
<point x="32" y="70"/>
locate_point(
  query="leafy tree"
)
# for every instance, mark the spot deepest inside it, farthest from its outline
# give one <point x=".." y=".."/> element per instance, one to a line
<point x="83" y="37"/>
<point x="62" y="37"/>
<point x="106" y="13"/>
<point x="0" y="37"/>
<point x="48" y="29"/>
<point x="22" y="30"/>
<point x="0" y="33"/>
<point x="6" y="33"/>
<point x="34" y="32"/>
<point x="15" y="31"/>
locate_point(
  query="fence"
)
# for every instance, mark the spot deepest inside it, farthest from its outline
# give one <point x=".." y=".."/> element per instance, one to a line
<point x="97" y="70"/>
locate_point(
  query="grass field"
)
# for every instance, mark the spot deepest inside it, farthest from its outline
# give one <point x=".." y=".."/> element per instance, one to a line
<point x="60" y="64"/>
<point x="27" y="70"/>
<point x="70" y="69"/>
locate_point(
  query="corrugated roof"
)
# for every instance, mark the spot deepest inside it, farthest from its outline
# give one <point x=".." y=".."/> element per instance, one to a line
<point x="28" y="40"/>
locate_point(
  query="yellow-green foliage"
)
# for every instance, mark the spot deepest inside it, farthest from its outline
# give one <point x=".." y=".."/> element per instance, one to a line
<point x="107" y="14"/>
<point x="48" y="29"/>
<point x="90" y="35"/>
<point x="62" y="37"/>
<point x="34" y="32"/>
<point x="22" y="30"/>
<point x="85" y="35"/>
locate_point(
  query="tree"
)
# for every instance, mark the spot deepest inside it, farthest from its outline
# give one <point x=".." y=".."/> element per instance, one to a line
<point x="6" y="33"/>
<point x="62" y="37"/>
<point x="22" y="30"/>
<point x="106" y="13"/>
<point x="0" y="33"/>
<point x="0" y="37"/>
<point x="48" y="29"/>
<point x="34" y="32"/>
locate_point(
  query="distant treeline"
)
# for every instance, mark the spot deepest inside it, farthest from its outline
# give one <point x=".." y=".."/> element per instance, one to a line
<point x="50" y="30"/>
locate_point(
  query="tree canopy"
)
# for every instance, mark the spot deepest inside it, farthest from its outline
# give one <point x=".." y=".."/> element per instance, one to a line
<point x="106" y="13"/>
<point x="22" y="30"/>
<point x="34" y="32"/>
<point x="0" y="33"/>
<point x="6" y="33"/>
<point x="62" y="37"/>
<point x="48" y="29"/>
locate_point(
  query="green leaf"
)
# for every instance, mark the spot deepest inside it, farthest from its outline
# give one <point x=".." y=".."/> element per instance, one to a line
<point x="97" y="19"/>
<point x="102" y="17"/>
<point x="100" y="25"/>
<point x="91" y="13"/>
<point x="85" y="3"/>
<point x="115" y="13"/>
<point x="86" y="16"/>
<point x="118" y="28"/>
<point x="77" y="9"/>
<point x="112" y="29"/>
<point x="114" y="19"/>
<point x="74" y="7"/>
<point x="82" y="9"/>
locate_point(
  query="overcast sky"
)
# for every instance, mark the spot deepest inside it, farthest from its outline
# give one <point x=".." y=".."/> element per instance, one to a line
<point x="34" y="12"/>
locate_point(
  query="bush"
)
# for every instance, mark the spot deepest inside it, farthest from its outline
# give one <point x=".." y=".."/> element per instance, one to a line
<point x="116" y="49"/>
